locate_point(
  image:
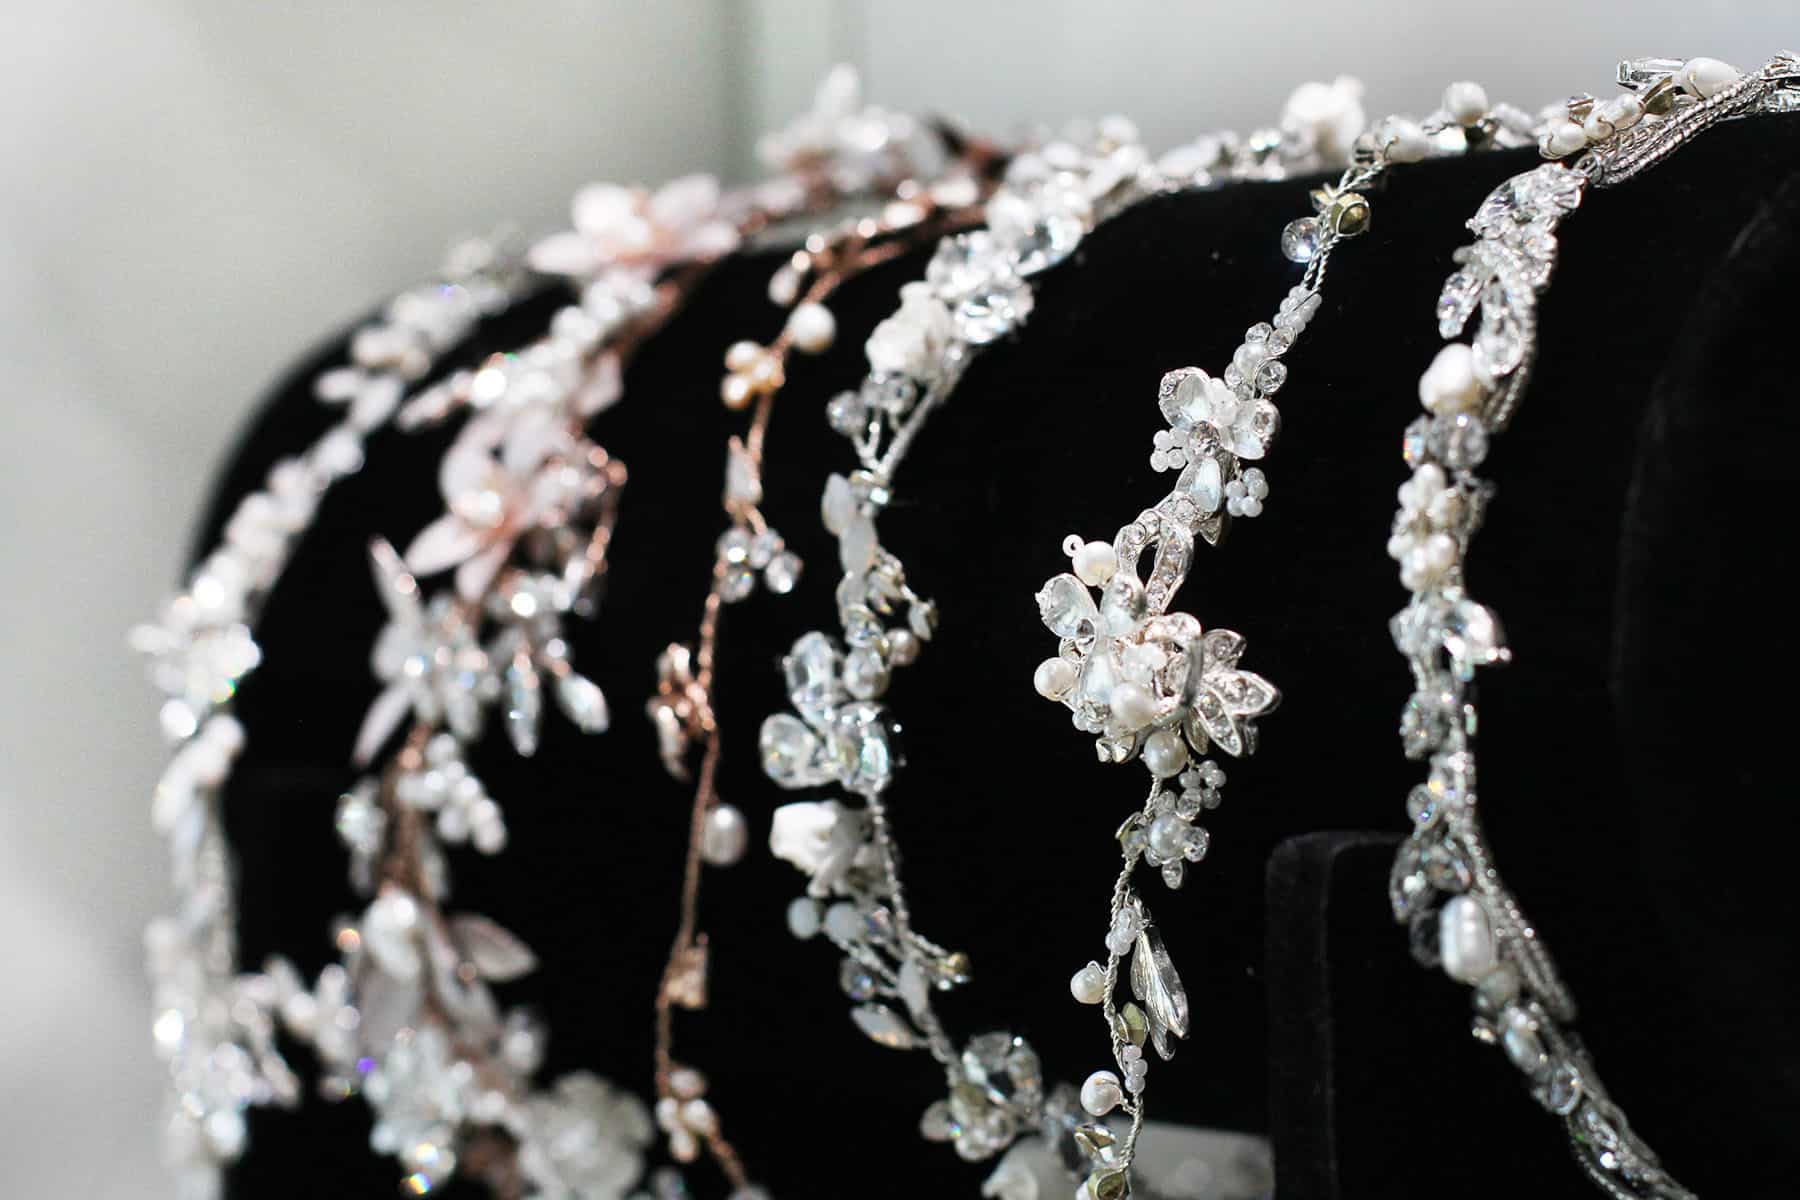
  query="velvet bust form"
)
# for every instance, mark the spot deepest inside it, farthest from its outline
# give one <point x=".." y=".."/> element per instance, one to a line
<point x="1634" y="768"/>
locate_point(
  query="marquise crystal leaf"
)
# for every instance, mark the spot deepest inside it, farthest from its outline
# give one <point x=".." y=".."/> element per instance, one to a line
<point x="1157" y="986"/>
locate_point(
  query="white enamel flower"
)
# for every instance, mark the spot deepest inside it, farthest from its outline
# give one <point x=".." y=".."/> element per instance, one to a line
<point x="639" y="232"/>
<point x="1210" y="428"/>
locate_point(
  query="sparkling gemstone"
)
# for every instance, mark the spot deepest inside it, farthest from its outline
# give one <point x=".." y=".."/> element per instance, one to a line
<point x="865" y="746"/>
<point x="1408" y="888"/>
<point x="846" y="413"/>
<point x="1067" y="608"/>
<point x="783" y="573"/>
<point x="1300" y="240"/>
<point x="1520" y="1040"/>
<point x="737" y="583"/>
<point x="1006" y="1067"/>
<point x="856" y="980"/>
<point x="1558" y="1089"/>
<point x="865" y="673"/>
<point x="791" y="753"/>
<point x="812" y="672"/>
<point x="1422" y="807"/>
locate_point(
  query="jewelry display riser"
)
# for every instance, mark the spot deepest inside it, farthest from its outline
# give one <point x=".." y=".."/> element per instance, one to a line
<point x="1634" y="764"/>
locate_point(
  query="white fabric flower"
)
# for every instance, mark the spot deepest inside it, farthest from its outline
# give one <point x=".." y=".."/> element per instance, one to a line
<point x="912" y="341"/>
<point x="634" y="230"/>
<point x="1327" y="115"/>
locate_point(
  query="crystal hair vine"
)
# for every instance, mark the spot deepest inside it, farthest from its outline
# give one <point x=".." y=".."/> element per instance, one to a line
<point x="1154" y="686"/>
<point x="977" y="289"/>
<point x="682" y="710"/>
<point x="1445" y="885"/>
<point x="406" y="1017"/>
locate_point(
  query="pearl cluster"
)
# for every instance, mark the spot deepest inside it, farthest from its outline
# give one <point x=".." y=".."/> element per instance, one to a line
<point x="1584" y="121"/>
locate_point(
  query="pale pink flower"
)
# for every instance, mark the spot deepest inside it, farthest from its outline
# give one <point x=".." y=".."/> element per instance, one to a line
<point x="634" y="230"/>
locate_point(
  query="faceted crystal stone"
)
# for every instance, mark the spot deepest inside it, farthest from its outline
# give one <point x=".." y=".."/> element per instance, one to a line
<point x="791" y="753"/>
<point x="1520" y="1040"/>
<point x="865" y="745"/>
<point x="856" y="980"/>
<point x="865" y="673"/>
<point x="1446" y="869"/>
<point x="846" y="413"/>
<point x="782" y="573"/>
<point x="1421" y="806"/>
<point x="1067" y="608"/>
<point x="1558" y="1089"/>
<point x="812" y="670"/>
<point x="1042" y="227"/>
<point x="1203" y="481"/>
<point x="737" y="583"/>
<point x="1408" y="888"/>
<point x="1300" y="240"/>
<point x="1007" y="1068"/>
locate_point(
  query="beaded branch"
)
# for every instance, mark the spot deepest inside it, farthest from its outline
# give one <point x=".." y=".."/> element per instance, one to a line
<point x="682" y="709"/>
<point x="1154" y="686"/>
<point x="978" y="288"/>
<point x="406" y="1018"/>
<point x="1445" y="886"/>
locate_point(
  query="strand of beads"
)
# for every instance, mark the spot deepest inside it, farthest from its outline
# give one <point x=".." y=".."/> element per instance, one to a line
<point x="1445" y="886"/>
<point x="215" y="1028"/>
<point x="1155" y="686"/>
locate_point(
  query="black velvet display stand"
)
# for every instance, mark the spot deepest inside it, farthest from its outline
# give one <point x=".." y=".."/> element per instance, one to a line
<point x="1636" y="767"/>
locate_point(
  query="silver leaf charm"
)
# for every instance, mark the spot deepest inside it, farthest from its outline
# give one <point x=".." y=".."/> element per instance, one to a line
<point x="1157" y="986"/>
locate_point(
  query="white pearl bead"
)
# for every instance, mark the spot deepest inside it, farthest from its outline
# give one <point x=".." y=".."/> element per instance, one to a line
<point x="726" y="834"/>
<point x="812" y="328"/>
<point x="1466" y="940"/>
<point x="742" y="356"/>
<point x="1088" y="985"/>
<point x="1621" y="112"/>
<point x="1132" y="707"/>
<point x="1165" y="754"/>
<point x="1466" y="102"/>
<point x="1053" y="678"/>
<point x="1100" y="1093"/>
<point x="784" y="286"/>
<point x="1449" y="384"/>
<point x="1095" y="563"/>
<point x="1596" y="127"/>
<point x="1564" y="137"/>
<point x="1406" y="141"/>
<point x="1706" y="77"/>
<point x="1168" y="836"/>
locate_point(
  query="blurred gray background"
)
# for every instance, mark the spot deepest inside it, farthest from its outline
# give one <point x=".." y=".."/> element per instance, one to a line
<point x="192" y="192"/>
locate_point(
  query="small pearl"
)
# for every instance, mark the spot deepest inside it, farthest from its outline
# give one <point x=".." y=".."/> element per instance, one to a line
<point x="1596" y="127"/>
<point x="1706" y="77"/>
<point x="735" y="391"/>
<point x="1165" y="754"/>
<point x="903" y="647"/>
<point x="1406" y="142"/>
<point x="1168" y="836"/>
<point x="726" y="834"/>
<point x="1053" y="678"/>
<point x="812" y="328"/>
<point x="1100" y="1093"/>
<point x="1466" y="940"/>
<point x="1466" y="102"/>
<point x="742" y="356"/>
<point x="1621" y="112"/>
<point x="1132" y="706"/>
<point x="1564" y="137"/>
<point x="1088" y="985"/>
<point x="1449" y="384"/>
<point x="1095" y="563"/>
<point x="784" y="286"/>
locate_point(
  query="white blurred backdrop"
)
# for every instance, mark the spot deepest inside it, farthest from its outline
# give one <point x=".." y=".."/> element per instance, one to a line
<point x="193" y="191"/>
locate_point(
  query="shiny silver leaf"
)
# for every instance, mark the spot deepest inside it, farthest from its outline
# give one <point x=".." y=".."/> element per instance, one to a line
<point x="1158" y="988"/>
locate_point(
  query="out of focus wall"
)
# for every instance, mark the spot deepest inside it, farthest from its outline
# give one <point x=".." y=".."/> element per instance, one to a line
<point x="191" y="191"/>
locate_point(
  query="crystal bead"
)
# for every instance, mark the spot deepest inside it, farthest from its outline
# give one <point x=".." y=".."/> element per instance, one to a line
<point x="783" y="573"/>
<point x="1300" y="240"/>
<point x="812" y="669"/>
<point x="856" y="980"/>
<point x="865" y="673"/>
<point x="1422" y="807"/>
<point x="884" y="1027"/>
<point x="737" y="583"/>
<point x="791" y="753"/>
<point x="1558" y="1089"/>
<point x="846" y="413"/>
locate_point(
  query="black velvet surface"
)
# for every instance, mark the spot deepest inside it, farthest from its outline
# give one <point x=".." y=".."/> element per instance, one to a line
<point x="1631" y="756"/>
